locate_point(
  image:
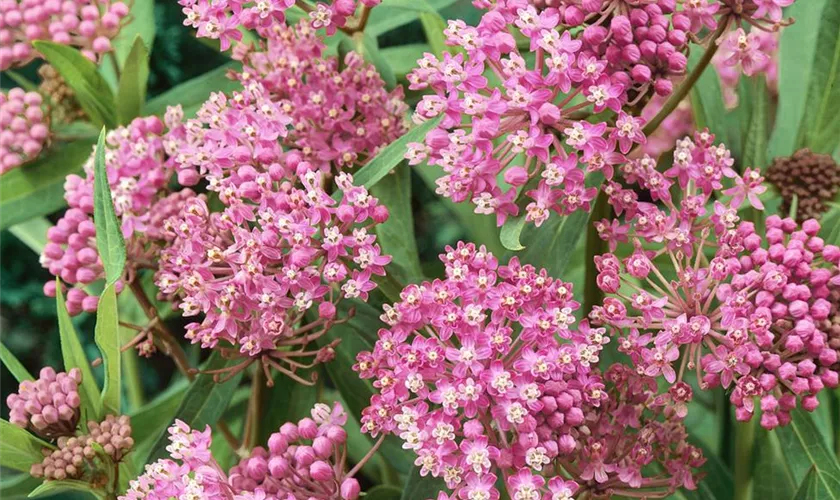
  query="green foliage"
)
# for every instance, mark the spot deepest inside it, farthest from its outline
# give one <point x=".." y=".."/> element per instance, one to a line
<point x="108" y="341"/>
<point x="821" y="119"/>
<point x="109" y="237"/>
<point x="131" y="95"/>
<point x="396" y="235"/>
<point x="13" y="365"/>
<point x="19" y="449"/>
<point x="48" y="488"/>
<point x="80" y="73"/>
<point x="74" y="357"/>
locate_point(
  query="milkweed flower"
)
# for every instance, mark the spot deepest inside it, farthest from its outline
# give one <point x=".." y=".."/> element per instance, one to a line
<point x="303" y="460"/>
<point x="340" y="111"/>
<point x="524" y="129"/>
<point x="750" y="53"/>
<point x="745" y="312"/>
<point x="24" y="128"/>
<point x="86" y="24"/>
<point x="48" y="406"/>
<point x="473" y="376"/>
<point x="139" y="170"/>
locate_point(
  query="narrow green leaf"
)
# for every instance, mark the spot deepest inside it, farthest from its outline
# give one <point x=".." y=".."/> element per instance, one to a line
<point x="422" y="488"/>
<point x="49" y="488"/>
<point x="391" y="14"/>
<point x="131" y="95"/>
<point x="511" y="233"/>
<point x="19" y="449"/>
<point x="289" y="401"/>
<point x="142" y="25"/>
<point x="32" y="233"/>
<point x="17" y="486"/>
<point x="391" y="155"/>
<point x="403" y="58"/>
<point x="37" y="188"/>
<point x="822" y="111"/>
<point x="74" y="357"/>
<point x="709" y="109"/>
<point x="80" y="73"/>
<point x="813" y="488"/>
<point x="797" y="51"/>
<point x="193" y="93"/>
<point x="804" y="449"/>
<point x="204" y="402"/>
<point x="23" y="82"/>
<point x="13" y="365"/>
<point x="109" y="237"/>
<point x="396" y="235"/>
<point x="148" y="422"/>
<point x="433" y="26"/>
<point x="755" y="142"/>
<point x="108" y="340"/>
<point x="383" y="492"/>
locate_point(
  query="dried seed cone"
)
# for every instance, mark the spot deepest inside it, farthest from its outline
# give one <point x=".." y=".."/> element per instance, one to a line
<point x="813" y="178"/>
<point x="65" y="108"/>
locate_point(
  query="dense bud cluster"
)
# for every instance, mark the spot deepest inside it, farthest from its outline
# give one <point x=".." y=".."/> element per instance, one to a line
<point x="813" y="178"/>
<point x="89" y="25"/>
<point x="340" y="111"/>
<point x="748" y="316"/>
<point x="76" y="456"/>
<point x="48" y="406"/>
<point x="24" y="128"/>
<point x="64" y="107"/>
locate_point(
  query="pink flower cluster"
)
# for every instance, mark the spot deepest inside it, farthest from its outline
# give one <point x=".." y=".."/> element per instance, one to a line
<point x="48" y="406"/>
<point x="676" y="125"/>
<point x="744" y="313"/>
<point x="340" y="113"/>
<point x="276" y="251"/>
<point x="526" y="127"/>
<point x="24" y="128"/>
<point x="87" y="24"/>
<point x="303" y="461"/>
<point x="748" y="53"/>
<point x="222" y="19"/>
<point x="474" y="377"/>
<point x="138" y="173"/>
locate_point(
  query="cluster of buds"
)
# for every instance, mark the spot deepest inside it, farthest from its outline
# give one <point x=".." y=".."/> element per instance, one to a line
<point x="76" y="456"/>
<point x="87" y="24"/>
<point x="482" y="372"/>
<point x="24" y="128"/>
<point x="303" y="461"/>
<point x="64" y="107"/>
<point x="48" y="406"/>
<point x="340" y="114"/>
<point x="517" y="132"/>
<point x="746" y="313"/>
<point x="222" y="19"/>
<point x="138" y="173"/>
<point x="814" y="179"/>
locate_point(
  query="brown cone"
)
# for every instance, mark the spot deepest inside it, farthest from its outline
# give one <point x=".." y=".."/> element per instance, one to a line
<point x="813" y="178"/>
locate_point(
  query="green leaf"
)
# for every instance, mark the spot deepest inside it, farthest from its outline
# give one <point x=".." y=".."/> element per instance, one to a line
<point x="822" y="111"/>
<point x="422" y="488"/>
<point x="80" y="73"/>
<point x="813" y="488"/>
<point x="433" y="26"/>
<point x="13" y="365"/>
<point x="131" y="95"/>
<point x="142" y="25"/>
<point x="18" y="448"/>
<point x="108" y="340"/>
<point x="148" y="422"/>
<point x="204" y="402"/>
<point x="755" y="143"/>
<point x="289" y="402"/>
<point x="68" y="485"/>
<point x="74" y="357"/>
<point x="37" y="188"/>
<point x="359" y="334"/>
<point x="396" y="235"/>
<point x="109" y="237"/>
<point x="709" y="109"/>
<point x="804" y="449"/>
<point x="22" y="81"/>
<point x="13" y="487"/>
<point x="773" y="478"/>
<point x="32" y="233"/>
<point x="383" y="492"/>
<point x="511" y="233"/>
<point x="193" y="93"/>
<point x="391" y="155"/>
<point x="797" y="51"/>
<point x="392" y="14"/>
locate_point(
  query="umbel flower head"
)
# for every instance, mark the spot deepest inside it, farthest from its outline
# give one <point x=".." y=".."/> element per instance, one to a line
<point x="340" y="111"/>
<point x="24" y="128"/>
<point x="704" y="292"/>
<point x="86" y="24"/>
<point x="526" y="126"/>
<point x="139" y="170"/>
<point x="48" y="406"/>
<point x="473" y="375"/>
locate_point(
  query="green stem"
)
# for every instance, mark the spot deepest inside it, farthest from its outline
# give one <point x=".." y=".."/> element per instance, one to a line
<point x="593" y="295"/>
<point x="744" y="445"/>
<point x="134" y="386"/>
<point x="677" y="97"/>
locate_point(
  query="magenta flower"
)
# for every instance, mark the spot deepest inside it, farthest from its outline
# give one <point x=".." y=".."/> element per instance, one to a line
<point x="24" y="128"/>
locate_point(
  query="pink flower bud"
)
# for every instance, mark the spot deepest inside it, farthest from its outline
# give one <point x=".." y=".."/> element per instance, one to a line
<point x="350" y="489"/>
